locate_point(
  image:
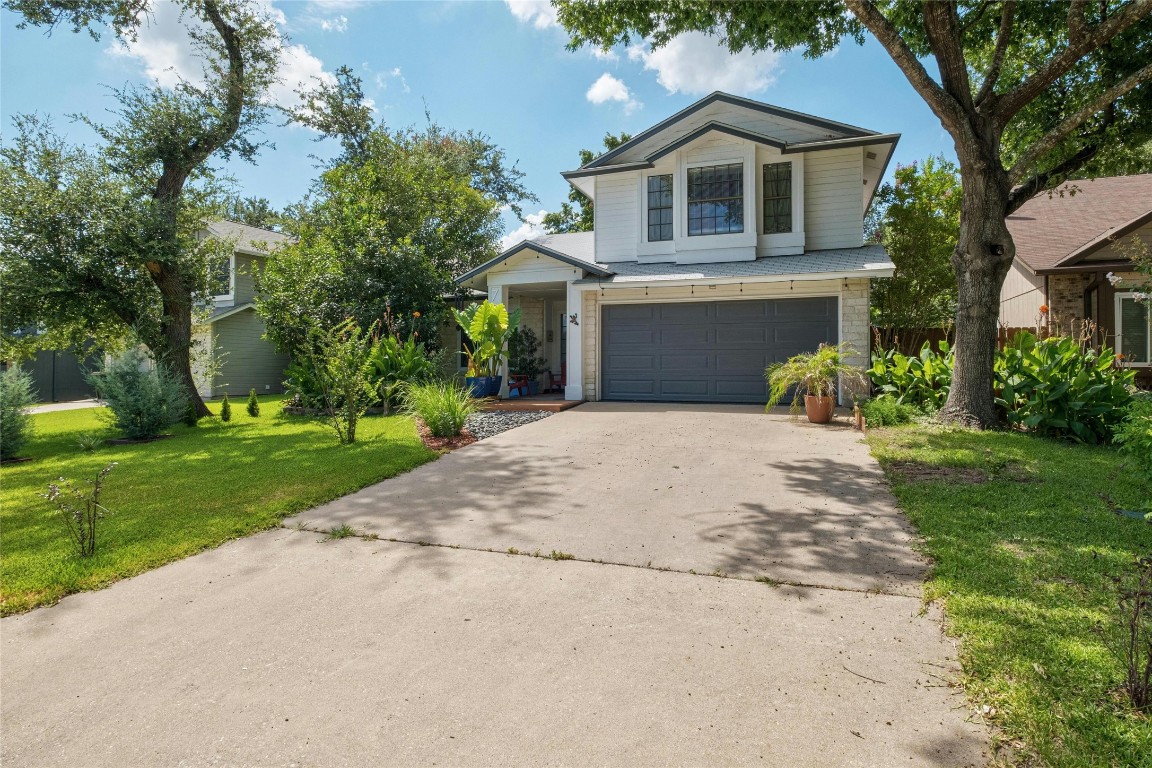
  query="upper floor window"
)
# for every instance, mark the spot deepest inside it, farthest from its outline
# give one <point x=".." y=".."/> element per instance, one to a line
<point x="660" y="207"/>
<point x="1134" y="327"/>
<point x="716" y="199"/>
<point x="777" y="198"/>
<point x="222" y="278"/>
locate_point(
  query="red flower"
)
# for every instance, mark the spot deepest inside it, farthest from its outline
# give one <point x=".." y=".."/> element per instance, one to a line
<point x="1043" y="309"/>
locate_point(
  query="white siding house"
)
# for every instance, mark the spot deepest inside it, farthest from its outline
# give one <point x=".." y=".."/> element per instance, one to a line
<point x="727" y="237"/>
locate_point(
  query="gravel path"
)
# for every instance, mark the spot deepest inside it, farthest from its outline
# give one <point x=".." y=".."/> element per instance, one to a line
<point x="491" y="423"/>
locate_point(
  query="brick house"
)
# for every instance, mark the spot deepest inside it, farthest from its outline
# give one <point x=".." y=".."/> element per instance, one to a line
<point x="1071" y="259"/>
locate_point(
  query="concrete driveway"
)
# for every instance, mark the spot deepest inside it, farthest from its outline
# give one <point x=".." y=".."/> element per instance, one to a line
<point x="287" y="648"/>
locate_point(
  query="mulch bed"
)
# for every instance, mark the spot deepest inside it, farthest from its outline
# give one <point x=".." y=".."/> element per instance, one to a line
<point x="443" y="443"/>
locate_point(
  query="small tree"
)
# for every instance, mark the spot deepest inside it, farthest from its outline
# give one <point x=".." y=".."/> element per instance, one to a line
<point x="143" y="396"/>
<point x="80" y="510"/>
<point x="341" y="361"/>
<point x="253" y="404"/>
<point x="225" y="409"/>
<point x="16" y="396"/>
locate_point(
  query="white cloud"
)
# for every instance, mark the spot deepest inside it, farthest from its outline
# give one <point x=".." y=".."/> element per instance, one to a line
<point x="334" y="24"/>
<point x="163" y="51"/>
<point x="603" y="55"/>
<point x="695" y="63"/>
<point x="539" y="13"/>
<point x="608" y="88"/>
<point x="392" y="76"/>
<point x="531" y="227"/>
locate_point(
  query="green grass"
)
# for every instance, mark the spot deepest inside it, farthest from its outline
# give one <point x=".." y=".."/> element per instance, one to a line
<point x="1022" y="565"/>
<point x="175" y="497"/>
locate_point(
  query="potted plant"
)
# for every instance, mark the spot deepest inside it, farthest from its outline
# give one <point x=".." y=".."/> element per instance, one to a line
<point x="524" y="358"/>
<point x="815" y="377"/>
<point x="489" y="327"/>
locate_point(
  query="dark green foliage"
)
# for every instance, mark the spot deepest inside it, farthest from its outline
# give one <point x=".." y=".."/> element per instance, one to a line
<point x="225" y="409"/>
<point x="1134" y="433"/>
<point x="341" y="367"/>
<point x="568" y="218"/>
<point x="16" y="396"/>
<point x="524" y="353"/>
<point x="143" y="397"/>
<point x="920" y="224"/>
<point x="253" y="404"/>
<point x="1058" y="388"/>
<point x="887" y="411"/>
<point x="191" y="418"/>
<point x="443" y="405"/>
<point x="396" y="363"/>
<point x="921" y="380"/>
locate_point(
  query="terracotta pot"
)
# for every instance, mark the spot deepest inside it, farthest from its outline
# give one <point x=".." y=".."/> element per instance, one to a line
<point x="819" y="409"/>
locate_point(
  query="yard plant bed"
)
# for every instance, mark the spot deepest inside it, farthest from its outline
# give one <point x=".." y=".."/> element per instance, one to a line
<point x="491" y="423"/>
<point x="173" y="498"/>
<point x="1024" y="536"/>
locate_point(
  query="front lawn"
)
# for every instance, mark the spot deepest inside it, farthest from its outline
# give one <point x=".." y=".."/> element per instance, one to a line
<point x="1024" y="538"/>
<point x="174" y="497"/>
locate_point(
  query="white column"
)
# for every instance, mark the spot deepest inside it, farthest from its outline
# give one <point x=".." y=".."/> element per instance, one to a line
<point x="498" y="294"/>
<point x="574" y="383"/>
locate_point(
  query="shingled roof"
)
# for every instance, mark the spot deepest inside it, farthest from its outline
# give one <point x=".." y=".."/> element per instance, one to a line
<point x="1078" y="218"/>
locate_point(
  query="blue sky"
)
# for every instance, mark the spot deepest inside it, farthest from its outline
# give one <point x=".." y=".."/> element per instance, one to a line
<point x="497" y="67"/>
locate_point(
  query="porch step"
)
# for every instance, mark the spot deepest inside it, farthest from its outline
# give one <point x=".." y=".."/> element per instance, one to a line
<point x="550" y="405"/>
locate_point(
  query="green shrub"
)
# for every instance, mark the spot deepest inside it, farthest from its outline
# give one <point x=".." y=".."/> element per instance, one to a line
<point x="339" y="362"/>
<point x="301" y="383"/>
<point x="253" y="404"/>
<point x="812" y="373"/>
<point x="887" y="411"/>
<point x="397" y="363"/>
<point x="225" y="409"/>
<point x="1057" y="388"/>
<point x="16" y="396"/>
<point x="443" y="405"/>
<point x="142" y="400"/>
<point x="922" y="379"/>
<point x="1134" y="433"/>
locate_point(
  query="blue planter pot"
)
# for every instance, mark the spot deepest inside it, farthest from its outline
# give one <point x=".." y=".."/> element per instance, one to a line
<point x="484" y="386"/>
<point x="533" y="387"/>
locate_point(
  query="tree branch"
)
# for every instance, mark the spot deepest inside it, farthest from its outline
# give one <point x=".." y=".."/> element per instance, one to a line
<point x="1083" y="41"/>
<point x="941" y="103"/>
<point x="1003" y="37"/>
<point x="1062" y="131"/>
<point x="1055" y="175"/>
<point x="943" y="27"/>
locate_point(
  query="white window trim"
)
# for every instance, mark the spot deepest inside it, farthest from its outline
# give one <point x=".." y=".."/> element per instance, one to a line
<point x="1120" y="330"/>
<point x="231" y="295"/>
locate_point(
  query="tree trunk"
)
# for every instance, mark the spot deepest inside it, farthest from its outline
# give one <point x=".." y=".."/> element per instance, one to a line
<point x="982" y="258"/>
<point x="177" y="330"/>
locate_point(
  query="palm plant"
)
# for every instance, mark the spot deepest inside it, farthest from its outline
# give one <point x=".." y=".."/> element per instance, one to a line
<point x="816" y="373"/>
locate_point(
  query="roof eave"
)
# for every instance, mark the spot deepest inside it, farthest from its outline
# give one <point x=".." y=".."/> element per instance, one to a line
<point x="872" y="272"/>
<point x="542" y="249"/>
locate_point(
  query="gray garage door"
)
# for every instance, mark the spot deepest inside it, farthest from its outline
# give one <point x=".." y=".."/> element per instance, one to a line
<point x="707" y="351"/>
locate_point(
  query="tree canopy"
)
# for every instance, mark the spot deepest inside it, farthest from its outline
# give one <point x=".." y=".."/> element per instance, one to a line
<point x="387" y="225"/>
<point x="919" y="227"/>
<point x="1031" y="93"/>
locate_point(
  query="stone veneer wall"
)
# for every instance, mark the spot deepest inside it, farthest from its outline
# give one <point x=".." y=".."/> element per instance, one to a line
<point x="1066" y="301"/>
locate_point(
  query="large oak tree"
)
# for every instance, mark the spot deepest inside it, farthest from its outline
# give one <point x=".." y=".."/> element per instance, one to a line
<point x="155" y="153"/>
<point x="1030" y="92"/>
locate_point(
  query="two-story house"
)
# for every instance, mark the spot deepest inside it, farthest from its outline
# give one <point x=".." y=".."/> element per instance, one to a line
<point x="231" y="352"/>
<point x="727" y="237"/>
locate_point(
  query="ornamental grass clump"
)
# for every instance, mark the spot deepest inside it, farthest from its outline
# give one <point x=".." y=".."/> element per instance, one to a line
<point x="817" y="374"/>
<point x="16" y="397"/>
<point x="443" y="405"/>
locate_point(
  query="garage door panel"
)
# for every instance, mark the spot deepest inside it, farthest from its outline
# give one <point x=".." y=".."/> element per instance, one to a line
<point x="707" y="351"/>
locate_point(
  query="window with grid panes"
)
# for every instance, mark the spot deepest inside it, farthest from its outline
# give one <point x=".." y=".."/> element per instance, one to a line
<point x="660" y="207"/>
<point x="777" y="198"/>
<point x="716" y="199"/>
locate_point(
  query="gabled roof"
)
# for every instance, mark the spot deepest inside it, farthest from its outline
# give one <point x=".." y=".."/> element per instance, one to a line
<point x="575" y="249"/>
<point x="785" y="129"/>
<point x="1058" y="229"/>
<point x="219" y="313"/>
<point x="248" y="239"/>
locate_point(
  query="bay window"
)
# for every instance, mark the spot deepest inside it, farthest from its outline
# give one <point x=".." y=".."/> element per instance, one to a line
<point x="716" y="199"/>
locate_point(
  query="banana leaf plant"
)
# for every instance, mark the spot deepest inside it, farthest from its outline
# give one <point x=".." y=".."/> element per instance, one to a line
<point x="489" y="327"/>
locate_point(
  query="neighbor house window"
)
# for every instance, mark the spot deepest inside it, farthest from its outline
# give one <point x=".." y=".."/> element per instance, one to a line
<point x="222" y="278"/>
<point x="716" y="199"/>
<point x="660" y="207"/>
<point x="777" y="198"/>
<point x="1133" y="329"/>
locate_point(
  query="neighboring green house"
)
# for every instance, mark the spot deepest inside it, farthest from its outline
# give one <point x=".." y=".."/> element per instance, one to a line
<point x="232" y="340"/>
